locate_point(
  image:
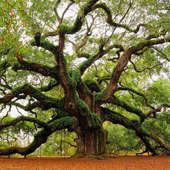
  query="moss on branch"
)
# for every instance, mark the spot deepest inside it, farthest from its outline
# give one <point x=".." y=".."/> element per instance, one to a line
<point x="129" y="108"/>
<point x="147" y="43"/>
<point x="85" y="9"/>
<point x="86" y="63"/>
<point x="23" y="118"/>
<point x="18" y="90"/>
<point x="92" y="85"/>
<point x="49" y="46"/>
<point x="83" y="112"/>
<point x="62" y="123"/>
<point x="62" y="113"/>
<point x="116" y="118"/>
<point x="80" y="104"/>
<point x="100" y="95"/>
<point x="91" y="59"/>
<point x="73" y="78"/>
<point x="46" y="45"/>
<point x="96" y="121"/>
<point x="46" y="101"/>
<point x="135" y="125"/>
<point x="40" y="137"/>
<point x="28" y="107"/>
<point x="51" y="84"/>
<point x="38" y="68"/>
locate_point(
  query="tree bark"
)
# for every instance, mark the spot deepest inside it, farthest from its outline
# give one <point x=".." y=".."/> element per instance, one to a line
<point x="91" y="143"/>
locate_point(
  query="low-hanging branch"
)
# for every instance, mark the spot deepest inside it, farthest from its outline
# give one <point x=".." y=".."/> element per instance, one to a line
<point x="40" y="137"/>
<point x="21" y="119"/>
<point x="46" y="102"/>
<point x="129" y="108"/>
<point x="134" y="125"/>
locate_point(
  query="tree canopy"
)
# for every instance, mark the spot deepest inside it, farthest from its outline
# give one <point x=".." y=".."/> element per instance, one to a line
<point x="76" y="64"/>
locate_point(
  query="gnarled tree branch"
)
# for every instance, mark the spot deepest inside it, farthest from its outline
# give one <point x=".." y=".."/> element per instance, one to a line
<point x="38" y="68"/>
<point x="136" y="126"/>
<point x="23" y="118"/>
<point x="112" y="23"/>
<point x="40" y="137"/>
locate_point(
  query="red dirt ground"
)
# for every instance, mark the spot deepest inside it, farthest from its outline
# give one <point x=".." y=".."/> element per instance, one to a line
<point x="118" y="163"/>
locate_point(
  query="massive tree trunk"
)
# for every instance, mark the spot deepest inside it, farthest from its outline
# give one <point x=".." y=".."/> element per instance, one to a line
<point x="91" y="137"/>
<point x="91" y="143"/>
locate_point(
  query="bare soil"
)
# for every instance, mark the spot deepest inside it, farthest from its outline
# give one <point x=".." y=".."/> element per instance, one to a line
<point x="118" y="163"/>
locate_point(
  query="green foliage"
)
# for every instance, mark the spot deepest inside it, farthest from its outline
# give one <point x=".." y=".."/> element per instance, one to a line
<point x="51" y="84"/>
<point x="87" y="62"/>
<point x="121" y="140"/>
<point x="65" y="29"/>
<point x="18" y="90"/>
<point x="144" y="130"/>
<point x="49" y="46"/>
<point x="59" y="143"/>
<point x="96" y="121"/>
<point x="89" y="82"/>
<point x="160" y="126"/>
<point x="73" y="77"/>
<point x="100" y="95"/>
<point x="161" y="86"/>
<point x="92" y="85"/>
<point x="62" y="113"/>
<point x="81" y="104"/>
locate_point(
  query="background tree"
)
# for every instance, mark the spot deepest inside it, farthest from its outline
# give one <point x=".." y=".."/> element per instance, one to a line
<point x="89" y="62"/>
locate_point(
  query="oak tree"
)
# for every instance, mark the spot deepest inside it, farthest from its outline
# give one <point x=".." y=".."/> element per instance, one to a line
<point x="78" y="61"/>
